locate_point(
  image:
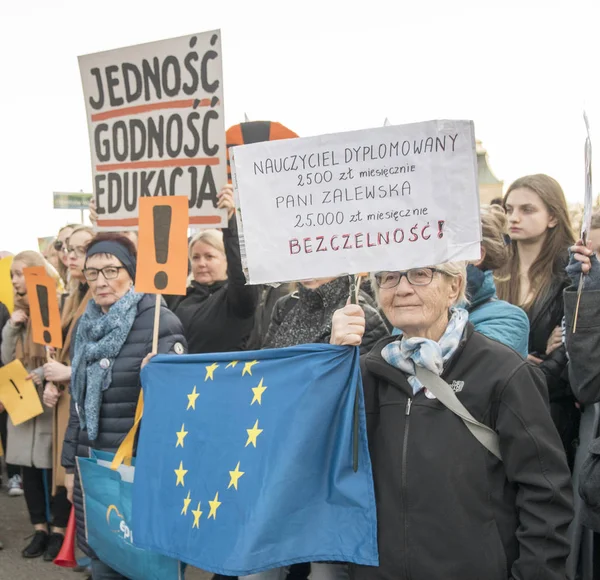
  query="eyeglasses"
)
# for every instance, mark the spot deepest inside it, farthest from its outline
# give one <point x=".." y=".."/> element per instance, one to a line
<point x="79" y="251"/>
<point x="415" y="277"/>
<point x="109" y="273"/>
<point x="58" y="245"/>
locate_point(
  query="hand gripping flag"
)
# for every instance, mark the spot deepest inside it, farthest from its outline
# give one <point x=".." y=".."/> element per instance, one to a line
<point x="245" y="460"/>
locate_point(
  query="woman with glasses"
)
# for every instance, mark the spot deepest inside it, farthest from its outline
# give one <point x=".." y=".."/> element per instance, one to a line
<point x="60" y="245"/>
<point x="493" y="503"/>
<point x="57" y="371"/>
<point x="30" y="443"/>
<point x="109" y="344"/>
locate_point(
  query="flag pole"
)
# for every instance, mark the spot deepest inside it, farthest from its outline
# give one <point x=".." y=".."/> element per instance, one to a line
<point x="354" y="290"/>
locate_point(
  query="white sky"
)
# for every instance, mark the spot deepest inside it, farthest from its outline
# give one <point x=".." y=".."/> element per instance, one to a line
<point x="522" y="70"/>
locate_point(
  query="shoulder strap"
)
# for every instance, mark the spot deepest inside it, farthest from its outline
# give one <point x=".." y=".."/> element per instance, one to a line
<point x="444" y="393"/>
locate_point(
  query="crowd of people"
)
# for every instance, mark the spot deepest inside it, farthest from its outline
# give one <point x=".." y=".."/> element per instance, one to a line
<point x="492" y="338"/>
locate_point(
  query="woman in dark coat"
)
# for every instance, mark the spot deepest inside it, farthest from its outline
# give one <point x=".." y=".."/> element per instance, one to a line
<point x="451" y="505"/>
<point x="112" y="338"/>
<point x="217" y="312"/>
<point x="583" y="348"/>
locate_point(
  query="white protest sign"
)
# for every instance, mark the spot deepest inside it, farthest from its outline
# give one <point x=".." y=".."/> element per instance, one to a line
<point x="156" y="127"/>
<point x="381" y="199"/>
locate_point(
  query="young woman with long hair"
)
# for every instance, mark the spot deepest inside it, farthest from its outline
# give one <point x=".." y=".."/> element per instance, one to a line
<point x="30" y="443"/>
<point x="534" y="279"/>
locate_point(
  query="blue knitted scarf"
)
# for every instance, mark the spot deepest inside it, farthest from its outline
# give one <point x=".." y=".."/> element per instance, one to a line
<point x="99" y="340"/>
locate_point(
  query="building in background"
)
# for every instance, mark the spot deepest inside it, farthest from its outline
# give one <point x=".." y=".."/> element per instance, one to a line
<point x="490" y="186"/>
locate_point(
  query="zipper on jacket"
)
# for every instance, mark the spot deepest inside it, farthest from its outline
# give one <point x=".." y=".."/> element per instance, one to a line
<point x="403" y="491"/>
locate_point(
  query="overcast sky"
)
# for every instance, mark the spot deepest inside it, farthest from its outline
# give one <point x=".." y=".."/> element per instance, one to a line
<point x="521" y="70"/>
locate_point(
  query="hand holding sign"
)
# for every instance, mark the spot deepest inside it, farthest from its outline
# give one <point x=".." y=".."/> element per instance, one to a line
<point x="18" y="395"/>
<point x="43" y="304"/>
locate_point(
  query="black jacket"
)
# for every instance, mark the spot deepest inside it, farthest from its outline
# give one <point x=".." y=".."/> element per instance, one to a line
<point x="545" y="315"/>
<point x="119" y="401"/>
<point x="219" y="317"/>
<point x="447" y="508"/>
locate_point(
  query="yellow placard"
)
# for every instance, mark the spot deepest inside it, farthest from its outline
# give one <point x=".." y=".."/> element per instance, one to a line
<point x="18" y="395"/>
<point x="6" y="289"/>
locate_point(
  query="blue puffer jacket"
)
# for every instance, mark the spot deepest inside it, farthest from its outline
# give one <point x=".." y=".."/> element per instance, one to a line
<point x="492" y="317"/>
<point x="119" y="400"/>
<point x="495" y="318"/>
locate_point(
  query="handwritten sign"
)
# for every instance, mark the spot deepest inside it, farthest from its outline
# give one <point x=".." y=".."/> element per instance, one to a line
<point x="162" y="266"/>
<point x="155" y="120"/>
<point x="17" y="394"/>
<point x="390" y="198"/>
<point x="43" y="304"/>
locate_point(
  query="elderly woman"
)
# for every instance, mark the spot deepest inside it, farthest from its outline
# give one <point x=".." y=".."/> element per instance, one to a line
<point x="217" y="312"/>
<point x="112" y="339"/>
<point x="447" y="507"/>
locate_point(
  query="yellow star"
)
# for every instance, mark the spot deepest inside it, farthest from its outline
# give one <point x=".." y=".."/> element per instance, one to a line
<point x="214" y="506"/>
<point x="181" y="436"/>
<point x="235" y="475"/>
<point x="197" y="513"/>
<point x="258" y="392"/>
<point x="248" y="367"/>
<point x="192" y="399"/>
<point x="253" y="434"/>
<point x="186" y="504"/>
<point x="232" y="364"/>
<point x="210" y="370"/>
<point x="180" y="474"/>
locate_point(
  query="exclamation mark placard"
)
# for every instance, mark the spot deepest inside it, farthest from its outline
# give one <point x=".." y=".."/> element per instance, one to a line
<point x="161" y="215"/>
<point x="42" y="296"/>
<point x="162" y="265"/>
<point x="43" y="304"/>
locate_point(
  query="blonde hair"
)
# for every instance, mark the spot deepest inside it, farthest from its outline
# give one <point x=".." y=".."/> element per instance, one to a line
<point x="32" y="259"/>
<point x="450" y="269"/>
<point x="213" y="238"/>
<point x="74" y="299"/>
<point x="494" y="224"/>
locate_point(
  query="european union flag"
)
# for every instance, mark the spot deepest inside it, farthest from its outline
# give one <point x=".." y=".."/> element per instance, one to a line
<point x="245" y="460"/>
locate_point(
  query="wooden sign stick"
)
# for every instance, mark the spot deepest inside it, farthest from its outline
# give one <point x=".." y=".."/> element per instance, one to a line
<point x="156" y="324"/>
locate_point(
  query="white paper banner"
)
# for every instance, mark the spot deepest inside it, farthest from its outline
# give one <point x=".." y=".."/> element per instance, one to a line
<point x="155" y="120"/>
<point x="381" y="199"/>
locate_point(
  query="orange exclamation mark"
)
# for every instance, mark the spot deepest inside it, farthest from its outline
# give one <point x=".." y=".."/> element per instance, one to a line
<point x="42" y="294"/>
<point x="162" y="215"/>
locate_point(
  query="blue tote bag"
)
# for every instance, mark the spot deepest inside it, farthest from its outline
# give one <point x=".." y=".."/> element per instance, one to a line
<point x="107" y="485"/>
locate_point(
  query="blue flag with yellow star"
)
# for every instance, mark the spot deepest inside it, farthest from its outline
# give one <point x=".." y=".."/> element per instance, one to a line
<point x="245" y="460"/>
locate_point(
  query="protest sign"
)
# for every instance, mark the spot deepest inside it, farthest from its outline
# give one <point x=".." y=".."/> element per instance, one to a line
<point x="6" y="287"/>
<point x="18" y="394"/>
<point x="43" y="306"/>
<point x="162" y="266"/>
<point x="390" y="198"/>
<point x="44" y="244"/>
<point x="155" y="120"/>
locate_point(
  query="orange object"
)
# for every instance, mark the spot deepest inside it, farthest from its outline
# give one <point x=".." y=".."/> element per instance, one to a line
<point x="66" y="556"/>
<point x="255" y="132"/>
<point x="43" y="304"/>
<point x="162" y="265"/>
